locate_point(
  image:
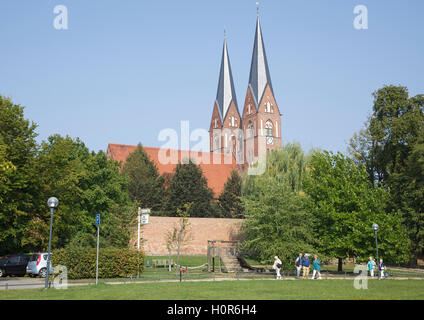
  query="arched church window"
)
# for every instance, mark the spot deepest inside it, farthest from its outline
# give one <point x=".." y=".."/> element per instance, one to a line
<point x="217" y="142"/>
<point x="268" y="128"/>
<point x="268" y="132"/>
<point x="250" y="129"/>
<point x="233" y="122"/>
<point x="267" y="106"/>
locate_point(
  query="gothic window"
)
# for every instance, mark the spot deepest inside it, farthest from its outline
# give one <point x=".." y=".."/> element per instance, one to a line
<point x="216" y="123"/>
<point x="268" y="107"/>
<point x="216" y="142"/>
<point x="250" y="130"/>
<point x="249" y="111"/>
<point x="268" y="128"/>
<point x="233" y="122"/>
<point x="268" y="131"/>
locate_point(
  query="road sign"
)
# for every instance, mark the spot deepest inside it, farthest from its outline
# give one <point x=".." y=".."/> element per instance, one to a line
<point x="145" y="210"/>
<point x="145" y="218"/>
<point x="98" y="219"/>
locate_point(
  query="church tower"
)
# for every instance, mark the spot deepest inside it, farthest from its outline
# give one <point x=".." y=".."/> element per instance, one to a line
<point x="261" y="117"/>
<point x="225" y="129"/>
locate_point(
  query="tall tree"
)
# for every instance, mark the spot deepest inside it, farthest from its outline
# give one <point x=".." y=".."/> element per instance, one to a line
<point x="229" y="202"/>
<point x="145" y="184"/>
<point x="346" y="205"/>
<point x="188" y="185"/>
<point x="85" y="184"/>
<point x="385" y="146"/>
<point x="18" y="178"/>
<point x="412" y="197"/>
<point x="276" y="219"/>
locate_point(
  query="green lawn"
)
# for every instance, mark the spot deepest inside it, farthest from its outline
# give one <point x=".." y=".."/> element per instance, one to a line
<point x="233" y="289"/>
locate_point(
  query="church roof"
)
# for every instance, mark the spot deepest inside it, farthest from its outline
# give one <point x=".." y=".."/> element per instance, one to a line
<point x="215" y="172"/>
<point x="259" y="72"/>
<point x="226" y="92"/>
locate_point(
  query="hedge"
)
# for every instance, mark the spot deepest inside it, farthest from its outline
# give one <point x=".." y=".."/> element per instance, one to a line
<point x="113" y="262"/>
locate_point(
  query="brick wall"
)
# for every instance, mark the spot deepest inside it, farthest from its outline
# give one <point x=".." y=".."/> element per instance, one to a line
<point x="201" y="230"/>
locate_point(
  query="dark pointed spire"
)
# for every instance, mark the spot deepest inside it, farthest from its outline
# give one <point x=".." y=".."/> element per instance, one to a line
<point x="226" y="92"/>
<point x="259" y="72"/>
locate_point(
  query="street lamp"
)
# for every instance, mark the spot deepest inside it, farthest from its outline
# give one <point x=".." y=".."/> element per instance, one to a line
<point x="375" y="227"/>
<point x="52" y="203"/>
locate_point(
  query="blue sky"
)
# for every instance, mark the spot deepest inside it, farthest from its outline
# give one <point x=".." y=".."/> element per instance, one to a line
<point x="124" y="70"/>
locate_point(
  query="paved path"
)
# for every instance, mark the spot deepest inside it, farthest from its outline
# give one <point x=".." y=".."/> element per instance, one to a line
<point x="38" y="283"/>
<point x="21" y="283"/>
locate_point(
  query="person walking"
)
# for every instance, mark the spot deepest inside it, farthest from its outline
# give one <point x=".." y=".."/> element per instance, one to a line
<point x="381" y="269"/>
<point x="277" y="266"/>
<point x="298" y="265"/>
<point x="305" y="266"/>
<point x="371" y="266"/>
<point x="316" y="264"/>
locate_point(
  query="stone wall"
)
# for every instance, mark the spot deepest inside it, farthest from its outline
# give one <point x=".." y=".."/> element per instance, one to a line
<point x="201" y="230"/>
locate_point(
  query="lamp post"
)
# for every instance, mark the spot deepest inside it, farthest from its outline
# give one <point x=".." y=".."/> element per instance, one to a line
<point x="375" y="227"/>
<point x="52" y="203"/>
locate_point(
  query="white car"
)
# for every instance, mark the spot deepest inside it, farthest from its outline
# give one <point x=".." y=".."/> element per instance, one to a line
<point x="37" y="265"/>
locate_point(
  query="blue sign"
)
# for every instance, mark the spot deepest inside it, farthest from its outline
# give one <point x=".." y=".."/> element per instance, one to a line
<point x="98" y="219"/>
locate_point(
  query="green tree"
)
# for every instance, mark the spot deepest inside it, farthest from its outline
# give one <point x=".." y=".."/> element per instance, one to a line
<point x="412" y="198"/>
<point x="18" y="178"/>
<point x="180" y="234"/>
<point x="229" y="202"/>
<point x="85" y="184"/>
<point x="276" y="220"/>
<point x="188" y="185"/>
<point x="345" y="205"/>
<point x="146" y="186"/>
<point x="385" y="146"/>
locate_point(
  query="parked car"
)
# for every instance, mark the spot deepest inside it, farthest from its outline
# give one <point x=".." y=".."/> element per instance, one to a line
<point x="37" y="265"/>
<point x="15" y="265"/>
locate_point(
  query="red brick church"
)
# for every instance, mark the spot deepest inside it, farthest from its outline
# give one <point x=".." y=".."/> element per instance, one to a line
<point x="240" y="136"/>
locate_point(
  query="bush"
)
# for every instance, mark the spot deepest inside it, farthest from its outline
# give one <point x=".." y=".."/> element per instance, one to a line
<point x="113" y="262"/>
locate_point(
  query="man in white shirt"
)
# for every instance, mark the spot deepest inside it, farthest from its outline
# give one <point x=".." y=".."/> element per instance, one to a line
<point x="298" y="265"/>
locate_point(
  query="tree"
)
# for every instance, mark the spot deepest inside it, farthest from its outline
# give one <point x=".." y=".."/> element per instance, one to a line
<point x="145" y="185"/>
<point x="180" y="233"/>
<point x="276" y="220"/>
<point x="345" y="205"/>
<point x="188" y="185"/>
<point x="412" y="198"/>
<point x="385" y="146"/>
<point x="229" y="202"/>
<point x="85" y="184"/>
<point x="18" y="178"/>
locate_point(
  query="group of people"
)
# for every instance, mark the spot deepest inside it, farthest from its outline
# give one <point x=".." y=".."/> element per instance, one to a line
<point x="372" y="266"/>
<point x="301" y="263"/>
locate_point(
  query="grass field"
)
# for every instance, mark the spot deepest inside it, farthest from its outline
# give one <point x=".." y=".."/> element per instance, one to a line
<point x="232" y="290"/>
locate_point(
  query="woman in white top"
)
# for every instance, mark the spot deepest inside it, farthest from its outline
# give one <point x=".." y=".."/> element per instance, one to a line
<point x="277" y="266"/>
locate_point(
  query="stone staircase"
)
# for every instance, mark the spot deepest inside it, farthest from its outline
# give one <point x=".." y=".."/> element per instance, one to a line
<point x="231" y="262"/>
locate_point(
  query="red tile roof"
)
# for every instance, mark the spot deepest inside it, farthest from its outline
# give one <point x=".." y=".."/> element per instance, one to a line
<point x="216" y="167"/>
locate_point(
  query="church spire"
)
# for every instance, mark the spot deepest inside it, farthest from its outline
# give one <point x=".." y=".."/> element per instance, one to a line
<point x="259" y="73"/>
<point x="226" y="92"/>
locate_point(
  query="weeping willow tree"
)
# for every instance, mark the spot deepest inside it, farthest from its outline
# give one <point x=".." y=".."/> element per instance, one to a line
<point x="276" y="222"/>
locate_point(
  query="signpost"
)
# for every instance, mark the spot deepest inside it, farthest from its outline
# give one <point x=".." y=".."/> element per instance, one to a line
<point x="98" y="233"/>
<point x="143" y="218"/>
